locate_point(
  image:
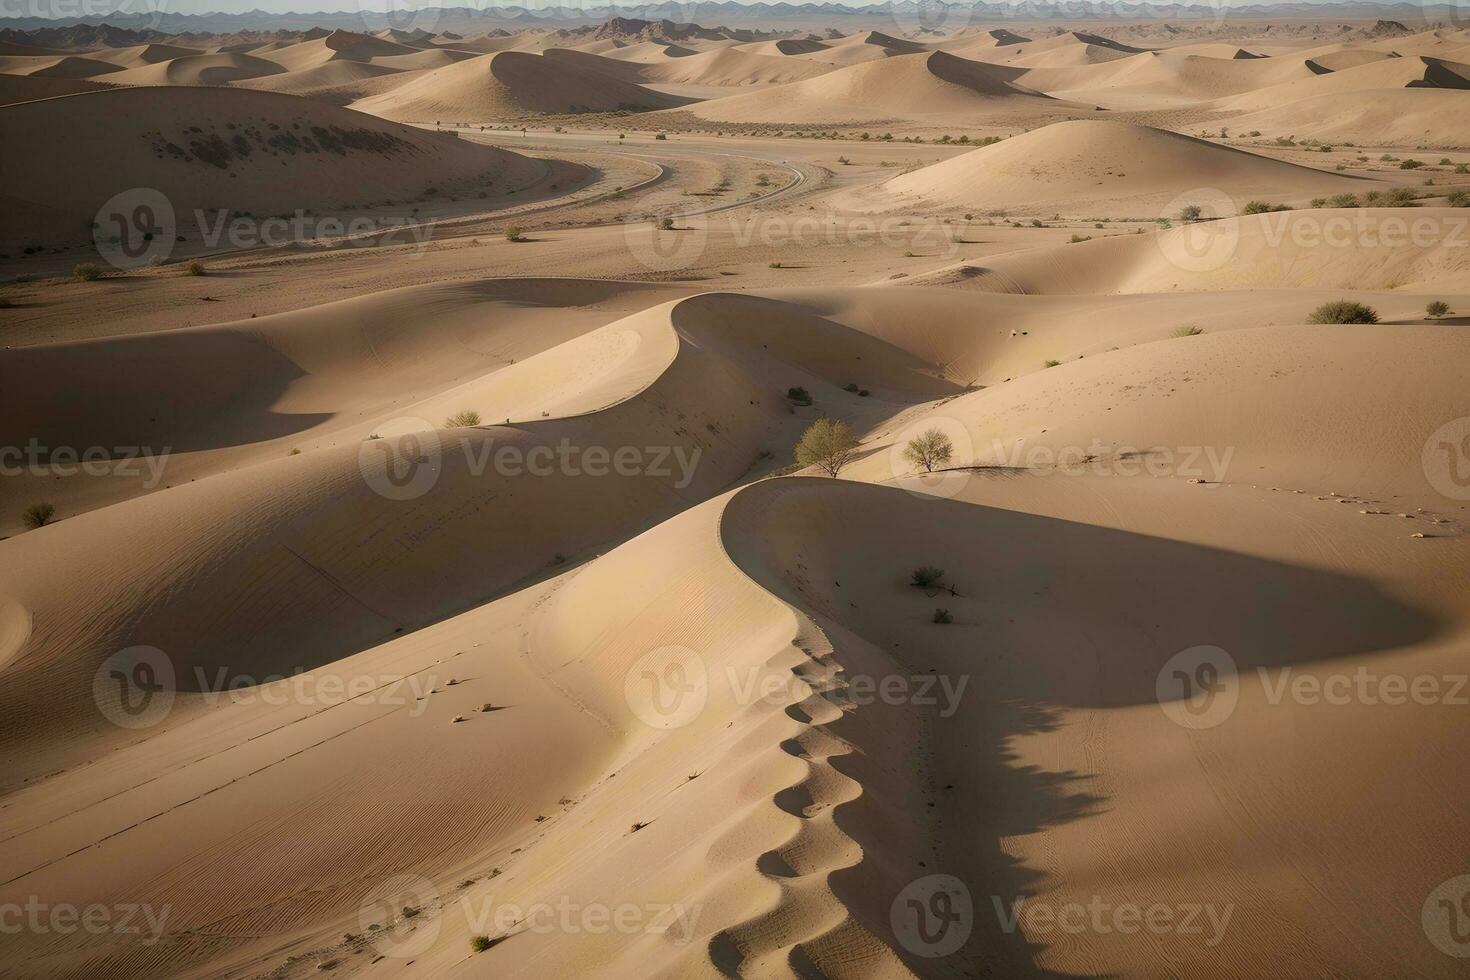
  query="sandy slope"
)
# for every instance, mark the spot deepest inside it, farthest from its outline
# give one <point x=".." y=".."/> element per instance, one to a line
<point x="1340" y="249"/>
<point x="373" y="159"/>
<point x="1404" y="117"/>
<point x="924" y="85"/>
<point x="1091" y="168"/>
<point x="198" y="69"/>
<point x="338" y="82"/>
<point x="720" y="67"/>
<point x="27" y="88"/>
<point x="511" y="83"/>
<point x="1392" y="73"/>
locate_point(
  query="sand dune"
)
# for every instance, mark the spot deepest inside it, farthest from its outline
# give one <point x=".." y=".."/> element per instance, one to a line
<point x="903" y="86"/>
<point x="784" y="47"/>
<point x="1372" y="117"/>
<point x="198" y="69"/>
<point x="28" y="88"/>
<point x="1411" y="72"/>
<point x="143" y="54"/>
<point x="1161" y="78"/>
<point x="340" y="45"/>
<point x="68" y="66"/>
<point x="1330" y="249"/>
<point x="337" y="82"/>
<point x="336" y="157"/>
<point x="509" y="84"/>
<point x="1092" y="167"/>
<point x="643" y="52"/>
<point x="719" y="67"/>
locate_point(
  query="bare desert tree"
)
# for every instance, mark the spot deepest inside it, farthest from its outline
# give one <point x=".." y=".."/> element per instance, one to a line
<point x="929" y="449"/>
<point x="827" y="445"/>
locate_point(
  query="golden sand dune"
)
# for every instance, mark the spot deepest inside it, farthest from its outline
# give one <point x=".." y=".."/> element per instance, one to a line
<point x="1161" y="78"/>
<point x="337" y="82"/>
<point x="222" y="148"/>
<point x="143" y="54"/>
<point x="933" y="84"/>
<point x="46" y="66"/>
<point x="340" y="46"/>
<point x="718" y="67"/>
<point x="511" y="83"/>
<point x="198" y="69"/>
<point x="1409" y="116"/>
<point x="1092" y="167"/>
<point x="1346" y="248"/>
<point x="785" y="47"/>
<point x="1411" y="72"/>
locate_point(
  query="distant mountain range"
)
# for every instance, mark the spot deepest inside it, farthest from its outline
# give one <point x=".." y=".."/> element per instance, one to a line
<point x="913" y="15"/>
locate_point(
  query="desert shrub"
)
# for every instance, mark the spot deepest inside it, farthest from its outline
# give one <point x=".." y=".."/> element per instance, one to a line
<point x="850" y="386"/>
<point x="926" y="577"/>
<point x="1462" y="168"/>
<point x="462" y="419"/>
<point x="1410" y="164"/>
<point x="1399" y="197"/>
<point x="86" y="272"/>
<point x="1262" y="207"/>
<point x="799" y="395"/>
<point x="666" y="224"/>
<point x="942" y="616"/>
<point x="929" y="449"/>
<point x="1050" y="363"/>
<point x="1188" y="330"/>
<point x="773" y="265"/>
<point x="1342" y="201"/>
<point x="661" y="136"/>
<point x="828" y="445"/>
<point x="480" y="943"/>
<point x="1343" y="311"/>
<point x="1190" y="212"/>
<point x="1437" y="308"/>
<point x="37" y="515"/>
<point x="195" y="269"/>
<point x="513" y="234"/>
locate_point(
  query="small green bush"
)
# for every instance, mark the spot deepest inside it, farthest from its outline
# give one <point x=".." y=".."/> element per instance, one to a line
<point x="86" y="272"/>
<point x="942" y="616"/>
<point x="37" y="515"/>
<point x="513" y="234"/>
<point x="799" y="395"/>
<point x="1188" y="330"/>
<point x="1437" y="308"/>
<point x="1343" y="311"/>
<point x="926" y="577"/>
<point x="461" y="419"/>
<point x="195" y="269"/>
